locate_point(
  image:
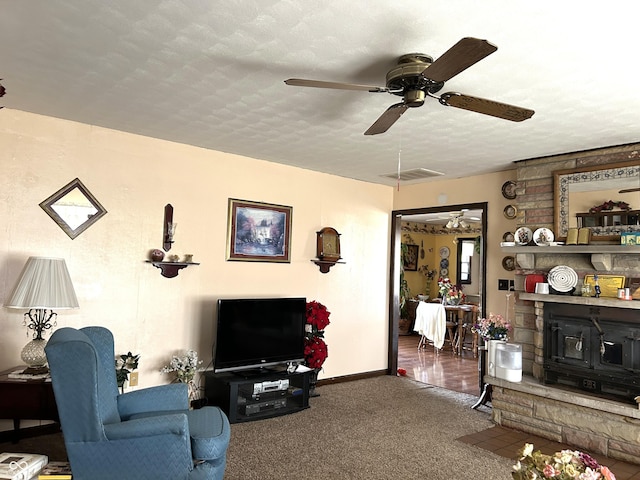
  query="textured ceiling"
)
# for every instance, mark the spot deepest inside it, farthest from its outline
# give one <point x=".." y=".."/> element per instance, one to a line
<point x="210" y="74"/>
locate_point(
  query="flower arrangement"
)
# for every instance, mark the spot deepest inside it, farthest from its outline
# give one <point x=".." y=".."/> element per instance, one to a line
<point x="315" y="348"/>
<point x="185" y="367"/>
<point x="125" y="364"/>
<point x="563" y="465"/>
<point x="449" y="292"/>
<point x="495" y="327"/>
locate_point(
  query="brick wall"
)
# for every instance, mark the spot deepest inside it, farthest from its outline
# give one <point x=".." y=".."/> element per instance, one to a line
<point x="535" y="202"/>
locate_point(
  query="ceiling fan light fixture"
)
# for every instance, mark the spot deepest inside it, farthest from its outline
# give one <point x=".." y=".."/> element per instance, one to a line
<point x="464" y="224"/>
<point x="449" y="224"/>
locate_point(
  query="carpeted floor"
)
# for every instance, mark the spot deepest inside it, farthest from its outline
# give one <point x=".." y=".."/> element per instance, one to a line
<point x="379" y="428"/>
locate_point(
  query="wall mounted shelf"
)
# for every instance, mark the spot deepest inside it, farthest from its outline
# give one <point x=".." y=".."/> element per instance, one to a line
<point x="325" y="265"/>
<point x="171" y="269"/>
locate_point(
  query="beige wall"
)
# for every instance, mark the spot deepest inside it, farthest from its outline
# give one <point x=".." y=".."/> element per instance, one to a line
<point x="482" y="188"/>
<point x="134" y="177"/>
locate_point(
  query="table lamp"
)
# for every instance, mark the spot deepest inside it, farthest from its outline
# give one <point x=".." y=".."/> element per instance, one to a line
<point x="44" y="285"/>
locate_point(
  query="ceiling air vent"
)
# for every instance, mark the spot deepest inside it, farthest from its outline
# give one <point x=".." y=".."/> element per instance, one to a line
<point x="413" y="174"/>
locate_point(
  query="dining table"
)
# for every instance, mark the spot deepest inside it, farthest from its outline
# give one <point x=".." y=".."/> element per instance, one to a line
<point x="456" y="314"/>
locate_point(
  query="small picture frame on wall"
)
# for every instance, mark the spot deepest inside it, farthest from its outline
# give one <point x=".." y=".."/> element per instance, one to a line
<point x="410" y="260"/>
<point x="258" y="232"/>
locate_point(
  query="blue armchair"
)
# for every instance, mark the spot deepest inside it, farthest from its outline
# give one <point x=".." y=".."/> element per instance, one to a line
<point x="144" y="434"/>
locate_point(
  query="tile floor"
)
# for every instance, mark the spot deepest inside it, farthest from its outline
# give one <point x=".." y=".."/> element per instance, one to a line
<point x="504" y="442"/>
<point x="460" y="373"/>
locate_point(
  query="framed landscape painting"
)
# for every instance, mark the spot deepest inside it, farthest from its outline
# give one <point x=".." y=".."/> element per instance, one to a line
<point x="258" y="232"/>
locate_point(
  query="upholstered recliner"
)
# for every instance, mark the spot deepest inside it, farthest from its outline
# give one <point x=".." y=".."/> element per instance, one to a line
<point x="143" y="434"/>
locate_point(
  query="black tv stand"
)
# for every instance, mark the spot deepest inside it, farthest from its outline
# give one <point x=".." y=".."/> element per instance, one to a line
<point x="259" y="372"/>
<point x="261" y="395"/>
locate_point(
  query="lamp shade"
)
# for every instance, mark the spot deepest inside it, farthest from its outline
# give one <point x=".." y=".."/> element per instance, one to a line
<point x="44" y="283"/>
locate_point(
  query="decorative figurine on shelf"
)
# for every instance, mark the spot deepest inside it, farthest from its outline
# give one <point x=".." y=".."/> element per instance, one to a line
<point x="156" y="255"/>
<point x="596" y="287"/>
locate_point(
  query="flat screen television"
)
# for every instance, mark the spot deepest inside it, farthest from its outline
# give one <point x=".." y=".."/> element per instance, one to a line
<point x="257" y="333"/>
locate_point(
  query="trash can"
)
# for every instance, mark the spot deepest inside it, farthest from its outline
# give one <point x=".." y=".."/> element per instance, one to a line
<point x="509" y="362"/>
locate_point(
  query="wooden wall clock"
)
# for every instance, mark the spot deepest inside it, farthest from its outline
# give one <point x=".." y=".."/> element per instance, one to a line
<point x="327" y="248"/>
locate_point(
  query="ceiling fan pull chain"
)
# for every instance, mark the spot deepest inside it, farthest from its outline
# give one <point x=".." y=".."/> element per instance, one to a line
<point x="399" y="161"/>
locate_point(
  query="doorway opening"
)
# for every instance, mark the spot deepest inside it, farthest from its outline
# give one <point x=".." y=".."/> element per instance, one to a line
<point x="446" y="217"/>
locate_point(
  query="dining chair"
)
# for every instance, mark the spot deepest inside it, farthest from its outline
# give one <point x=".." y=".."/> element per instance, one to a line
<point x="466" y="331"/>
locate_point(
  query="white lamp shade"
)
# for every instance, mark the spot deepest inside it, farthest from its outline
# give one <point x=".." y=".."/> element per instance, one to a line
<point x="44" y="283"/>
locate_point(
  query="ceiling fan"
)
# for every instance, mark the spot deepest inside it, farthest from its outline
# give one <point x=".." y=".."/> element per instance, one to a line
<point x="460" y="220"/>
<point x="418" y="76"/>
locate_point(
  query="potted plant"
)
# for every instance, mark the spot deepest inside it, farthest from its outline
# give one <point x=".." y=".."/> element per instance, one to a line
<point x="405" y="294"/>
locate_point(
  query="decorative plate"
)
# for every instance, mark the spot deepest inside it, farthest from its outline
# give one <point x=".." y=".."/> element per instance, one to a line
<point x="508" y="237"/>
<point x="444" y="252"/>
<point x="444" y="272"/>
<point x="523" y="235"/>
<point x="543" y="236"/>
<point x="510" y="211"/>
<point x="562" y="278"/>
<point x="509" y="190"/>
<point x="444" y="263"/>
<point x="509" y="263"/>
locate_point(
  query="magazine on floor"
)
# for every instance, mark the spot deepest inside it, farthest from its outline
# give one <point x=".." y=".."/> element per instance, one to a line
<point x="21" y="466"/>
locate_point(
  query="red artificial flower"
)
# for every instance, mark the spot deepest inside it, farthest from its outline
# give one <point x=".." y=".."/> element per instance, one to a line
<point x="317" y="315"/>
<point x="315" y="348"/>
<point x="315" y="352"/>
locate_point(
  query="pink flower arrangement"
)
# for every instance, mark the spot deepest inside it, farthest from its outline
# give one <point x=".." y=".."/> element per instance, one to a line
<point x="563" y="465"/>
<point x="495" y="327"/>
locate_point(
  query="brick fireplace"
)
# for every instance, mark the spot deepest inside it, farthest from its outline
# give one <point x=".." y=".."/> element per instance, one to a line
<point x="555" y="400"/>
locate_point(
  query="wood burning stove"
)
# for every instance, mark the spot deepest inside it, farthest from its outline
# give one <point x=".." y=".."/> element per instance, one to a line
<point x="593" y="348"/>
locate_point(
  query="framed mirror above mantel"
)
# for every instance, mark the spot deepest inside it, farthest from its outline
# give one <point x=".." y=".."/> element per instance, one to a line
<point x="582" y="192"/>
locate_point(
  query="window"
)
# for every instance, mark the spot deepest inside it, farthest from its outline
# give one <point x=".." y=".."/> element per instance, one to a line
<point x="466" y="247"/>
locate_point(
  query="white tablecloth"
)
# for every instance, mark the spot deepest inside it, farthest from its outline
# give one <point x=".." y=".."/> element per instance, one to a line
<point x="431" y="322"/>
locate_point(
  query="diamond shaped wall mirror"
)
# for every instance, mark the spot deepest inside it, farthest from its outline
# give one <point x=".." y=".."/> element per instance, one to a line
<point x="73" y="208"/>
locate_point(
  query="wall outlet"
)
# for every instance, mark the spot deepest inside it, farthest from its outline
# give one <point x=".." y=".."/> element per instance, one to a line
<point x="133" y="379"/>
<point x="503" y="284"/>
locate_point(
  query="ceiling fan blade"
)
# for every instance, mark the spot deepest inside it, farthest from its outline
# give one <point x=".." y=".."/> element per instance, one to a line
<point x="629" y="190"/>
<point x="487" y="107"/>
<point x="388" y="118"/>
<point x="301" y="82"/>
<point x="458" y="58"/>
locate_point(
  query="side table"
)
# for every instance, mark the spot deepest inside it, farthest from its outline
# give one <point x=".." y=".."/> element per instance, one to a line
<point x="26" y="399"/>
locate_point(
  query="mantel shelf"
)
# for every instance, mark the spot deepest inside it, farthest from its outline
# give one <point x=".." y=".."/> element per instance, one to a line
<point x="576" y="300"/>
<point x="171" y="269"/>
<point x="601" y="254"/>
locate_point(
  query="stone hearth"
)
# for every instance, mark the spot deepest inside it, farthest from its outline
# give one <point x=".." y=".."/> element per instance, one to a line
<point x="599" y="425"/>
